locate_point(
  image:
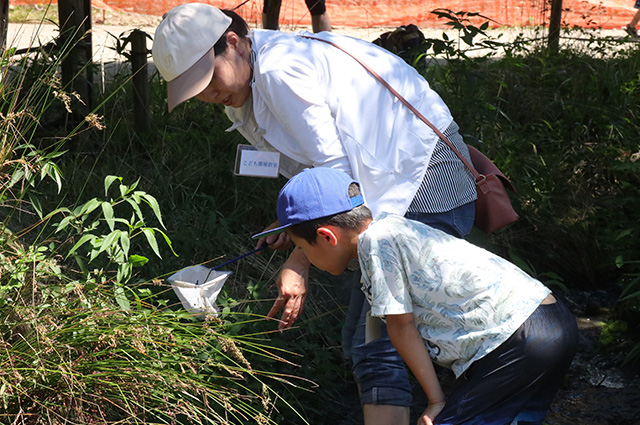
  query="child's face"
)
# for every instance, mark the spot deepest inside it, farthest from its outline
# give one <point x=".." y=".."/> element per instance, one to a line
<point x="331" y="252"/>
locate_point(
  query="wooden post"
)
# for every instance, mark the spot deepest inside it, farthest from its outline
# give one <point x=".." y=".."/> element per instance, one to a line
<point x="75" y="36"/>
<point x="139" y="54"/>
<point x="4" y="24"/>
<point x="555" y="22"/>
<point x="271" y="14"/>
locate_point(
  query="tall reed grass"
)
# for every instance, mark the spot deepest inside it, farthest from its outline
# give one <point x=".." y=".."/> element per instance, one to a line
<point x="86" y="336"/>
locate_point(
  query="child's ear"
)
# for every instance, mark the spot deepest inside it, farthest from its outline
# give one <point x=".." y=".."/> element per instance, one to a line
<point x="327" y="234"/>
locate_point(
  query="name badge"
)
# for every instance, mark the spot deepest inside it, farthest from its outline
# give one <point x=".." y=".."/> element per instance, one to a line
<point x="256" y="163"/>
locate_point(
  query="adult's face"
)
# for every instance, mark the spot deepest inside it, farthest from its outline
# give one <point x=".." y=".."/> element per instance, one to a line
<point x="231" y="76"/>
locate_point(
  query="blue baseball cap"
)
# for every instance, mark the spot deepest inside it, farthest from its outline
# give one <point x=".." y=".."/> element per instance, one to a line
<point x="313" y="193"/>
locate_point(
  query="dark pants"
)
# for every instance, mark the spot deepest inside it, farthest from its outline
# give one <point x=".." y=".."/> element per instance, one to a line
<point x="316" y="7"/>
<point x="516" y="382"/>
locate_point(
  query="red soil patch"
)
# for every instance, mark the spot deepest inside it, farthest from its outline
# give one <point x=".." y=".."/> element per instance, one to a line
<point x="391" y="13"/>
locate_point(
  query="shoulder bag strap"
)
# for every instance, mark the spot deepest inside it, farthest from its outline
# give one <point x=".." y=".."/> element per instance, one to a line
<point x="407" y="104"/>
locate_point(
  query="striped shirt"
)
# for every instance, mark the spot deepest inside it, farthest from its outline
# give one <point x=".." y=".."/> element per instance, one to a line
<point x="448" y="183"/>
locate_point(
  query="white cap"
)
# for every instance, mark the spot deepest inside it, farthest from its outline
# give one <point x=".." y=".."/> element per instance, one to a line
<point x="183" y="48"/>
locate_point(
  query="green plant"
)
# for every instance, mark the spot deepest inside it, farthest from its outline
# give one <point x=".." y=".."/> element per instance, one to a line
<point x="467" y="33"/>
<point x="124" y="41"/>
<point x="33" y="14"/>
<point x="81" y="340"/>
<point x="69" y="354"/>
<point x="86" y="220"/>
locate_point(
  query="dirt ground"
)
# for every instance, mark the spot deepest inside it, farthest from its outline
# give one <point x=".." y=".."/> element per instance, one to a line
<point x="598" y="390"/>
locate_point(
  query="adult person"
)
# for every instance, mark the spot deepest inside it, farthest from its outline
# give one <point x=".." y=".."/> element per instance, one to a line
<point x="317" y="8"/>
<point x="631" y="27"/>
<point x="318" y="107"/>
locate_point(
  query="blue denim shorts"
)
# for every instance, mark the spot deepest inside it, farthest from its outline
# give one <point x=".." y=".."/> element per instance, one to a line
<point x="377" y="367"/>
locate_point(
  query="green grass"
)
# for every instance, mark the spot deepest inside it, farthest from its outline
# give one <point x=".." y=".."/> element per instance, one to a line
<point x="33" y="14"/>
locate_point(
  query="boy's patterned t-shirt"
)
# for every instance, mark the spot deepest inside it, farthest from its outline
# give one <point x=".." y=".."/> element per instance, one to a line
<point x="465" y="300"/>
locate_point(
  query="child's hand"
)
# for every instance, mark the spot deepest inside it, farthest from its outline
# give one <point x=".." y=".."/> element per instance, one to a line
<point x="279" y="241"/>
<point x="430" y="413"/>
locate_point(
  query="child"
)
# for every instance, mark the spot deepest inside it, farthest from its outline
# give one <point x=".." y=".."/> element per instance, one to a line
<point x="506" y="338"/>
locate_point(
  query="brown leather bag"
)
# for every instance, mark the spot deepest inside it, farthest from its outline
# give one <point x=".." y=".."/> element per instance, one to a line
<point x="493" y="206"/>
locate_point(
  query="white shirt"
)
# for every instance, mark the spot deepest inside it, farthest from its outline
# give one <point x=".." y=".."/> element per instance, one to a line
<point x="319" y="107"/>
<point x="465" y="300"/>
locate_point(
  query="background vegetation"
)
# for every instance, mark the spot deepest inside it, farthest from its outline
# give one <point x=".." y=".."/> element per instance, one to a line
<point x="95" y="215"/>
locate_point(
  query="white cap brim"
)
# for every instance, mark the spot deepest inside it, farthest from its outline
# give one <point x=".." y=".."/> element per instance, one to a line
<point x="191" y="82"/>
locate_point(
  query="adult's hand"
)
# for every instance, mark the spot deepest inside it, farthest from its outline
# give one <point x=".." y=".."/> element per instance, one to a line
<point x="279" y="241"/>
<point x="292" y="289"/>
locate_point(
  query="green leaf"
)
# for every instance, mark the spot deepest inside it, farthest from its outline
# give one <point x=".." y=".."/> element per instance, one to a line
<point x="81" y="264"/>
<point x="110" y="240"/>
<point x="50" y="169"/>
<point x="95" y="249"/>
<point x="121" y="298"/>
<point x="136" y="208"/>
<point x="630" y="296"/>
<point x="124" y="272"/>
<point x="57" y="211"/>
<point x="154" y="206"/>
<point x="63" y="223"/>
<point x="81" y="242"/>
<point x="624" y="233"/>
<point x="16" y="177"/>
<point x="108" y="181"/>
<point x="107" y="210"/>
<point x="131" y="188"/>
<point x="90" y="206"/>
<point x="168" y="241"/>
<point x="151" y="238"/>
<point x="138" y="260"/>
<point x="123" y="190"/>
<point x="125" y="243"/>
